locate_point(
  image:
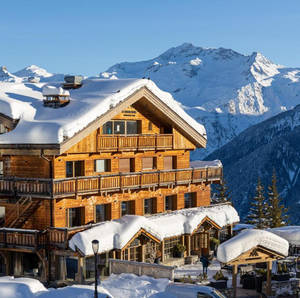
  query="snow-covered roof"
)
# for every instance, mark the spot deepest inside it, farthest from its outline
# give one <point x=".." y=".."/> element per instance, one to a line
<point x="206" y="163"/>
<point x="248" y="239"/>
<point x="116" y="234"/>
<point x="289" y="233"/>
<point x="42" y="125"/>
<point x="53" y="90"/>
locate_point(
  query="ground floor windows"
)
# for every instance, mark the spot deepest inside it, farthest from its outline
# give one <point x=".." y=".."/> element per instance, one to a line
<point x="149" y="206"/>
<point x="75" y="217"/>
<point x="169" y="246"/>
<point x="127" y="207"/>
<point x="190" y="199"/>
<point x="170" y="203"/>
<point x="103" y="212"/>
<point x="199" y="243"/>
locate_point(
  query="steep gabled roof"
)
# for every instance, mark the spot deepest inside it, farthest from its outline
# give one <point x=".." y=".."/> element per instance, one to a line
<point x="96" y="102"/>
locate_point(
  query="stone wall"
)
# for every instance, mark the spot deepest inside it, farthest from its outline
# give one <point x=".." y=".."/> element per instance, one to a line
<point x="139" y="268"/>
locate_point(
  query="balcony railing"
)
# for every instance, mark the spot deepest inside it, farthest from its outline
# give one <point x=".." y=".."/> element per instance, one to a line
<point x="29" y="239"/>
<point x="57" y="188"/>
<point x="134" y="142"/>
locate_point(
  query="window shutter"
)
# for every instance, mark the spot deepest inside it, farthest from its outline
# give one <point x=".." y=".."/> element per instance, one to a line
<point x="148" y="163"/>
<point x="168" y="162"/>
<point x="124" y="165"/>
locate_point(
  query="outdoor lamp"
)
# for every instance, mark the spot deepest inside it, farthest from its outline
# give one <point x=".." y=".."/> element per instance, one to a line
<point x="95" y="245"/>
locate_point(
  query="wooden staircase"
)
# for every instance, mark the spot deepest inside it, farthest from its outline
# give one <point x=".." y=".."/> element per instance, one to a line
<point x="24" y="208"/>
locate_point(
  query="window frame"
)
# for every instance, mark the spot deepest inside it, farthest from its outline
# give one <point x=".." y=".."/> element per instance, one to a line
<point x="107" y="165"/>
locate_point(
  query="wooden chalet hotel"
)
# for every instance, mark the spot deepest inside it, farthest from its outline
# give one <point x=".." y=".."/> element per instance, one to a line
<point x="105" y="159"/>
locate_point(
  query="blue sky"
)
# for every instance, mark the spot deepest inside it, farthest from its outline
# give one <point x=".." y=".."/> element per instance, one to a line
<point x="86" y="37"/>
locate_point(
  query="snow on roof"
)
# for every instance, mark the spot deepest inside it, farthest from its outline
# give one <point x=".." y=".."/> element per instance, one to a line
<point x="248" y="239"/>
<point x="116" y="234"/>
<point x="42" y="125"/>
<point x="206" y="163"/>
<point x="53" y="90"/>
<point x="289" y="233"/>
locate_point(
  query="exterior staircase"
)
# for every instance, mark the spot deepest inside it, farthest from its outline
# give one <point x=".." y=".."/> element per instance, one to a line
<point x="24" y="208"/>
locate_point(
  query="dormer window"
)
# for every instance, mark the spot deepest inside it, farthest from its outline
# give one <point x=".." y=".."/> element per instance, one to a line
<point x="55" y="97"/>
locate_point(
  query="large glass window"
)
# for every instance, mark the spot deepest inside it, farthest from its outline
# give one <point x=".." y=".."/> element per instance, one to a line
<point x="169" y="246"/>
<point x="108" y="128"/>
<point x="119" y="127"/>
<point x="102" y="165"/>
<point x="189" y="199"/>
<point x="102" y="212"/>
<point x="122" y="127"/>
<point x="132" y="127"/>
<point x="1" y="167"/>
<point x="149" y="206"/>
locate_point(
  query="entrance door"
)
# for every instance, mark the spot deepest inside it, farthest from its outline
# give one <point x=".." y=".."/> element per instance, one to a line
<point x="199" y="243"/>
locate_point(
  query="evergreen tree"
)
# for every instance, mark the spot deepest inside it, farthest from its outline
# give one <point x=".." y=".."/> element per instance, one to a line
<point x="258" y="209"/>
<point x="276" y="213"/>
<point x="223" y="194"/>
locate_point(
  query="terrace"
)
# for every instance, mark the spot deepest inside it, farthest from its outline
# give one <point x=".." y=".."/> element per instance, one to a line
<point x="70" y="187"/>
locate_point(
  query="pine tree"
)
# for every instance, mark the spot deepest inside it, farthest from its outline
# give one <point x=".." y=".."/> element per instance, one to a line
<point x="276" y="213"/>
<point x="258" y="209"/>
<point x="223" y="194"/>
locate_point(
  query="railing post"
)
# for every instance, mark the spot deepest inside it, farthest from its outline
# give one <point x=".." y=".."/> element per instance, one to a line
<point x="120" y="181"/>
<point x="206" y="174"/>
<point x="5" y="238"/>
<point x="35" y="239"/>
<point x="99" y="182"/>
<point x="192" y="175"/>
<point x="76" y="187"/>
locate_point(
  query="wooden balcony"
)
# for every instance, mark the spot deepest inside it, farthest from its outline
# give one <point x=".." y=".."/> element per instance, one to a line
<point x="134" y="142"/>
<point x="58" y="188"/>
<point x="22" y="239"/>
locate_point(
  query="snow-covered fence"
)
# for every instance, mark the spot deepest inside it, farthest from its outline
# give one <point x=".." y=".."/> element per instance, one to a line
<point x="139" y="268"/>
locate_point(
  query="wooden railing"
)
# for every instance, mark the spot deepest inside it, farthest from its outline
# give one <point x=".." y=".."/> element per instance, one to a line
<point x="31" y="239"/>
<point x="23" y="186"/>
<point x="56" y="188"/>
<point x="134" y="142"/>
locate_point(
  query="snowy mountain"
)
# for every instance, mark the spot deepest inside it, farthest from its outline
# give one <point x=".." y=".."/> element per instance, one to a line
<point x="271" y="144"/>
<point x="222" y="89"/>
<point x="29" y="73"/>
<point x="6" y="76"/>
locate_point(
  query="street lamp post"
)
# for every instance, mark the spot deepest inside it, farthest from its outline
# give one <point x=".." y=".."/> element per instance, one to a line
<point x="95" y="245"/>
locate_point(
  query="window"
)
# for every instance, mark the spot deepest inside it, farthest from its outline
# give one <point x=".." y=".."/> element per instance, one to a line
<point x="150" y="125"/>
<point x="108" y="128"/>
<point x="75" y="217"/>
<point x="169" y="246"/>
<point x="1" y="167"/>
<point x="75" y="168"/>
<point x="126" y="165"/>
<point x="127" y="208"/>
<point x="170" y="203"/>
<point x="121" y="127"/>
<point x="132" y="127"/>
<point x="149" y="206"/>
<point x="189" y="200"/>
<point x="149" y="163"/>
<point x="169" y="162"/>
<point x="102" y="165"/>
<point x="103" y="212"/>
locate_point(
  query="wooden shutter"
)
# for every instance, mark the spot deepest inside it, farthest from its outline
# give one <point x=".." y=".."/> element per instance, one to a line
<point x="124" y="165"/>
<point x="168" y="162"/>
<point x="148" y="163"/>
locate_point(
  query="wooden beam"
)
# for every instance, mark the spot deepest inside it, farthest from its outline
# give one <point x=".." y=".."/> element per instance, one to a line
<point x="269" y="274"/>
<point x="234" y="279"/>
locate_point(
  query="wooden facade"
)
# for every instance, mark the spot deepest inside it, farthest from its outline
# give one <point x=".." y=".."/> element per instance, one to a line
<point x="136" y="162"/>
